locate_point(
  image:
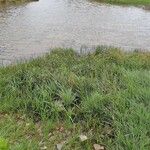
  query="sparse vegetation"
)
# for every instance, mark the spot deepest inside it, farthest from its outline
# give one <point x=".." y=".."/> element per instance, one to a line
<point x="104" y="95"/>
<point x="13" y="1"/>
<point x="127" y="2"/>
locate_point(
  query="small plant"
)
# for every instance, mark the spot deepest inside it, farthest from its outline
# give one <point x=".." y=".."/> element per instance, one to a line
<point x="67" y="97"/>
<point x="3" y="144"/>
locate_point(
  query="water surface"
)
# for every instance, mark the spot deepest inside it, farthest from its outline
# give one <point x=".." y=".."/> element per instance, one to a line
<point x="32" y="29"/>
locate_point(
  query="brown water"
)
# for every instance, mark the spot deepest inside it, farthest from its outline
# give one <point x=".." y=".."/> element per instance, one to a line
<point x="32" y="29"/>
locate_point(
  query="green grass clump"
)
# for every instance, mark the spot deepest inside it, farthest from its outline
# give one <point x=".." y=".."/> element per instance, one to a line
<point x="3" y="144"/>
<point x="104" y="95"/>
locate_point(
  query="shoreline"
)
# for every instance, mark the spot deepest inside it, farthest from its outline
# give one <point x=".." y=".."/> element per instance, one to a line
<point x="126" y="2"/>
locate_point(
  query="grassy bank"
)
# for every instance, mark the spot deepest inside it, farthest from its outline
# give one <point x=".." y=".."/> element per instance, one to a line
<point x="54" y="99"/>
<point x="13" y="1"/>
<point x="127" y="2"/>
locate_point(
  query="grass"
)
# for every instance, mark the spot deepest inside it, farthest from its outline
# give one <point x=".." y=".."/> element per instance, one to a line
<point x="13" y="1"/>
<point x="127" y="2"/>
<point x="104" y="95"/>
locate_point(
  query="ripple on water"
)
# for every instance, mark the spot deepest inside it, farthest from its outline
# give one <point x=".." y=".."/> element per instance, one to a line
<point x="34" y="28"/>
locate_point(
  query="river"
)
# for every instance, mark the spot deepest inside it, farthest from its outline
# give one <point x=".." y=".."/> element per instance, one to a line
<point x="34" y="28"/>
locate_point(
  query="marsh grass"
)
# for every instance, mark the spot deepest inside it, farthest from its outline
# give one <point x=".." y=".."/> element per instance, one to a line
<point x="104" y="95"/>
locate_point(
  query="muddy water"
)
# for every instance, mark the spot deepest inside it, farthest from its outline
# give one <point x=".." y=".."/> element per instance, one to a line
<point x="32" y="29"/>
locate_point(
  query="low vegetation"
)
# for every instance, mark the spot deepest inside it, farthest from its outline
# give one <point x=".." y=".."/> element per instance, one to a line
<point x="13" y="1"/>
<point x="127" y="2"/>
<point x="104" y="96"/>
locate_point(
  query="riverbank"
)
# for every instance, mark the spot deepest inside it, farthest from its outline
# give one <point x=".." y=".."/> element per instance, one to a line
<point x="57" y="98"/>
<point x="14" y="1"/>
<point x="127" y="2"/>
